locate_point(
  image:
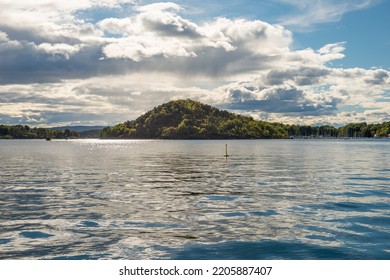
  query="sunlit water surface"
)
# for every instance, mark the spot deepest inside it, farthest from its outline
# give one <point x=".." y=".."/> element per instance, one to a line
<point x="271" y="199"/>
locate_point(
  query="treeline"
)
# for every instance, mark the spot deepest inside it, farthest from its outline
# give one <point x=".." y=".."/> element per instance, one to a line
<point x="365" y="130"/>
<point x="188" y="119"/>
<point x="352" y="130"/>
<point x="26" y="132"/>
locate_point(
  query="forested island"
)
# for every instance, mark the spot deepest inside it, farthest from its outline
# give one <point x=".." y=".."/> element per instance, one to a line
<point x="188" y="119"/>
<point x="26" y="132"/>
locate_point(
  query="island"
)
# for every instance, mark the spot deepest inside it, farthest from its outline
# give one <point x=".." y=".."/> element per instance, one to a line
<point x="20" y="131"/>
<point x="189" y="119"/>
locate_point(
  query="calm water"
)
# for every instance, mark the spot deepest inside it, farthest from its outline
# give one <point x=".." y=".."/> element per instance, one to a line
<point x="282" y="199"/>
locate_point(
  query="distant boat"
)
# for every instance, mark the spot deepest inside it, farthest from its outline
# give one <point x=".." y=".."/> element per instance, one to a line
<point x="48" y="139"/>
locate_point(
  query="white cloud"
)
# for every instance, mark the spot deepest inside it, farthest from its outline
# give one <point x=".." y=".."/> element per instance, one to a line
<point x="58" y="67"/>
<point x="218" y="47"/>
<point x="159" y="7"/>
<point x="317" y="94"/>
<point x="158" y="31"/>
<point x="141" y="47"/>
<point x="123" y="26"/>
<point x="51" y="21"/>
<point x="311" y="12"/>
<point x="331" y="52"/>
<point x="104" y="101"/>
<point x="3" y="37"/>
<point x="53" y="6"/>
<point x="63" y="50"/>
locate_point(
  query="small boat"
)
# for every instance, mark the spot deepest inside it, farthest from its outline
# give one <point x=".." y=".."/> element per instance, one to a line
<point x="48" y="139"/>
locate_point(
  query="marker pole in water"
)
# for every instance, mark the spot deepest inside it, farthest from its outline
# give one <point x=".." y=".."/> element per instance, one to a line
<point x="226" y="154"/>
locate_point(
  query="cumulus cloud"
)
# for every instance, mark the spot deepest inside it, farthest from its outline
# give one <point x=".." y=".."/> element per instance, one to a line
<point x="49" y="20"/>
<point x="158" y="30"/>
<point x="313" y="93"/>
<point x="155" y="38"/>
<point x="58" y="66"/>
<point x="378" y="77"/>
<point x="283" y="98"/>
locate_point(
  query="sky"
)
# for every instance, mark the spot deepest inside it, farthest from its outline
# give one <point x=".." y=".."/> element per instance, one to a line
<point x="101" y="62"/>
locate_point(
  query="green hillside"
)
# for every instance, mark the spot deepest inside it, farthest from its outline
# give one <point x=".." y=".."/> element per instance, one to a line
<point x="188" y="119"/>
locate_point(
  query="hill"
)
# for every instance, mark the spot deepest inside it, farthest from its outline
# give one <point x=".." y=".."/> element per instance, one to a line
<point x="188" y="119"/>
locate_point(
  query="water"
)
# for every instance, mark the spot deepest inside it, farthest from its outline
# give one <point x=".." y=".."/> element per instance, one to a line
<point x="271" y="199"/>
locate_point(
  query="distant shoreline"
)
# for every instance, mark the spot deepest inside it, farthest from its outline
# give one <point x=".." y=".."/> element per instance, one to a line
<point x="205" y="139"/>
<point x="191" y="120"/>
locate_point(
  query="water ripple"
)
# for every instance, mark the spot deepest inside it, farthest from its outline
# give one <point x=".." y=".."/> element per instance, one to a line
<point x="92" y="199"/>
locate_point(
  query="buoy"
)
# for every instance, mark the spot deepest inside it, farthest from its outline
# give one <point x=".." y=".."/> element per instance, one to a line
<point x="226" y="154"/>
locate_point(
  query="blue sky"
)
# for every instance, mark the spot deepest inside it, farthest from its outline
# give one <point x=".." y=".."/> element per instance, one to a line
<point x="103" y="62"/>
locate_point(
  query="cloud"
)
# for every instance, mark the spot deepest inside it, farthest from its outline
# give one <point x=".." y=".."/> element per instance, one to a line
<point x="301" y="76"/>
<point x="332" y="52"/>
<point x="157" y="30"/>
<point x="315" y="92"/>
<point x="63" y="50"/>
<point x="162" y="6"/>
<point x="155" y="38"/>
<point x="93" y="100"/>
<point x="51" y="21"/>
<point x="311" y="12"/>
<point x="379" y="77"/>
<point x="284" y="99"/>
<point x="116" y="26"/>
<point x="59" y="66"/>
<point x="6" y="43"/>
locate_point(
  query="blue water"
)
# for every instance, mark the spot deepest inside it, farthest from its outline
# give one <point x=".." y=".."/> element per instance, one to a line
<point x="271" y="199"/>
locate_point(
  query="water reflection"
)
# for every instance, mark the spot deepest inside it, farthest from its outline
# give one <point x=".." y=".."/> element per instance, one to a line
<point x="183" y="199"/>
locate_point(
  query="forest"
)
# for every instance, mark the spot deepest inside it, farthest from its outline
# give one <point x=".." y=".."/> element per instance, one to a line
<point x="188" y="119"/>
<point x="26" y="132"/>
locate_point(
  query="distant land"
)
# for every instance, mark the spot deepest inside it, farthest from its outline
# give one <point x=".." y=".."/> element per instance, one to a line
<point x="188" y="119"/>
<point x="65" y="132"/>
<point x="84" y="131"/>
<point x="79" y="128"/>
